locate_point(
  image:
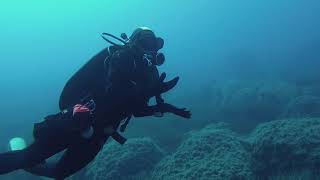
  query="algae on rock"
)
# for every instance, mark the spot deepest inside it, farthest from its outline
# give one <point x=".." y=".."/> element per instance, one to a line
<point x="211" y="153"/>
<point x="129" y="161"/>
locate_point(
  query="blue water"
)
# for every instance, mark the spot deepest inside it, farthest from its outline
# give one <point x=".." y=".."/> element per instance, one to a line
<point x="42" y="43"/>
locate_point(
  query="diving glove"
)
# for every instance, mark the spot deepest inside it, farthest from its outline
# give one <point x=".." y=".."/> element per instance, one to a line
<point x="182" y="112"/>
<point x="163" y="87"/>
<point x="166" y="86"/>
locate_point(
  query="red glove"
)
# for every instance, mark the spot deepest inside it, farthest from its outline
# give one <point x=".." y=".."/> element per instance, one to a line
<point x="82" y="114"/>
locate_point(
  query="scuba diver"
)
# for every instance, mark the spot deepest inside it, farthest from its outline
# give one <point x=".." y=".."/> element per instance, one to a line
<point x="96" y="103"/>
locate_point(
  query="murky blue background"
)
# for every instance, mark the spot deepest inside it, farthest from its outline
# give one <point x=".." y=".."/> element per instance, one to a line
<point x="43" y="42"/>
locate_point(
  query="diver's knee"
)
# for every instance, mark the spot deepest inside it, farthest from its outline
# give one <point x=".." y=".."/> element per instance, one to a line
<point x="30" y="159"/>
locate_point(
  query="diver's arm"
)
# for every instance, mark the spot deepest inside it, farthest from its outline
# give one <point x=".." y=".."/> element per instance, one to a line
<point x="146" y="111"/>
<point x="162" y="108"/>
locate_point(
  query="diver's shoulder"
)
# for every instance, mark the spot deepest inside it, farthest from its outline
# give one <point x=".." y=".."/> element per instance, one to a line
<point x="122" y="53"/>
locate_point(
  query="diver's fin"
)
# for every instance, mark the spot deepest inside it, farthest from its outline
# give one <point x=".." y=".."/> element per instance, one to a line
<point x="166" y="86"/>
<point x="17" y="143"/>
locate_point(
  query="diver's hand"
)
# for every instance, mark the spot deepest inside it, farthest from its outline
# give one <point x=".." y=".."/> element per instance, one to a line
<point x="182" y="112"/>
<point x="162" y="86"/>
<point x="168" y="85"/>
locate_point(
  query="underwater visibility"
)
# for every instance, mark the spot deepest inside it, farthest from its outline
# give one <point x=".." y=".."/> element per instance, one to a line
<point x="160" y="90"/>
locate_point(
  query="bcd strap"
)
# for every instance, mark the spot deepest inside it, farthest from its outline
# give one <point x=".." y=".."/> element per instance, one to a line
<point x="119" y="138"/>
<point x="115" y="135"/>
<point x="125" y="124"/>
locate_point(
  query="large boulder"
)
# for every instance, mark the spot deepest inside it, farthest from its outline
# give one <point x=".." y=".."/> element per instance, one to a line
<point x="211" y="153"/>
<point x="285" y="145"/>
<point x="132" y="160"/>
<point x="303" y="106"/>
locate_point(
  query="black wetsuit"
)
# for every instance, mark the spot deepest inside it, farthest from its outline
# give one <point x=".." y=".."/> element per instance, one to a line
<point x="120" y="85"/>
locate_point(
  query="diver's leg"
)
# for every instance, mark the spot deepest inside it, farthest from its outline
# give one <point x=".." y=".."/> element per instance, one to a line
<point x="77" y="157"/>
<point x="28" y="157"/>
<point x="46" y="169"/>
